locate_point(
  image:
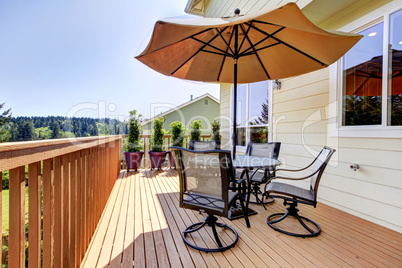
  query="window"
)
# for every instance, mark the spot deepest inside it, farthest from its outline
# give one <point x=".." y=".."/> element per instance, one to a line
<point x="206" y="102"/>
<point x="253" y="113"/>
<point x="372" y="76"/>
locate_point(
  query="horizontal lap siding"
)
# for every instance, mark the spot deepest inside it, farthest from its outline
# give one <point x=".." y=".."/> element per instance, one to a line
<point x="225" y="115"/>
<point x="226" y="8"/>
<point x="197" y="110"/>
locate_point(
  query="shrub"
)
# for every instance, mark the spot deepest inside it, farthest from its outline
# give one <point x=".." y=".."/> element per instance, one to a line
<point x="134" y="132"/>
<point x="216" y="126"/>
<point x="178" y="131"/>
<point x="158" y="132"/>
<point x="196" y="129"/>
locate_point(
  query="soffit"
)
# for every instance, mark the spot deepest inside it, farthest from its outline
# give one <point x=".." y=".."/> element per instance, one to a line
<point x="330" y="14"/>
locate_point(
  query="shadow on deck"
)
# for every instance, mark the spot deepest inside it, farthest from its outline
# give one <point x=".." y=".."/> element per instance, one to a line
<point x="142" y="224"/>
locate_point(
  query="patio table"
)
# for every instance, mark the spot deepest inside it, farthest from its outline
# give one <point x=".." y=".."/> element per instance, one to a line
<point x="249" y="162"/>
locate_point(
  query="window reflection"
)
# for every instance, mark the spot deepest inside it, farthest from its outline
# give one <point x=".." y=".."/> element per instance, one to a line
<point x="362" y="67"/>
<point x="258" y="104"/>
<point x="241" y="136"/>
<point x="252" y="113"/>
<point x="395" y="77"/>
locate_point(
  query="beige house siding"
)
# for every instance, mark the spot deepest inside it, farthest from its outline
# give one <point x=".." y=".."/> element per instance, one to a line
<point x="300" y="122"/>
<point x="187" y="114"/>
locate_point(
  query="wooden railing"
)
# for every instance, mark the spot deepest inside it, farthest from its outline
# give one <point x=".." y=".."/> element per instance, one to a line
<point x="168" y="142"/>
<point x="73" y="178"/>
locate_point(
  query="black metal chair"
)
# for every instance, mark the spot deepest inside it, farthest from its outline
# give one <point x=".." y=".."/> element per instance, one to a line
<point x="292" y="195"/>
<point x="204" y="180"/>
<point x="204" y="145"/>
<point x="270" y="150"/>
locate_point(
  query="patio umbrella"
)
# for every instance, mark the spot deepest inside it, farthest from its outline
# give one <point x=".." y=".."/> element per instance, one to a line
<point x="270" y="44"/>
<point x="365" y="79"/>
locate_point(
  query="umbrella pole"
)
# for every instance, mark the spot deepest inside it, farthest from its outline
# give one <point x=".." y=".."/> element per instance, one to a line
<point x="236" y="56"/>
<point x="234" y="108"/>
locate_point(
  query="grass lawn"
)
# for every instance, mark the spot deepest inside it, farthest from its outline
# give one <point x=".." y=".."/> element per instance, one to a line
<point x="6" y="208"/>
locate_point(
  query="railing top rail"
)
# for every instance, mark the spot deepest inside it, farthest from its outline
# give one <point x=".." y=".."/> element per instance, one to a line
<point x="16" y="154"/>
<point x="21" y="145"/>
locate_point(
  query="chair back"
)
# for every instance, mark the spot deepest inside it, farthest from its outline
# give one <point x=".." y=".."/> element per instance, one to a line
<point x="320" y="164"/>
<point x="203" y="145"/>
<point x="204" y="179"/>
<point x="270" y="149"/>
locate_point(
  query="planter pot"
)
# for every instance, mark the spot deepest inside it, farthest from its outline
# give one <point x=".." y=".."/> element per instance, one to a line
<point x="172" y="162"/>
<point x="157" y="159"/>
<point x="133" y="160"/>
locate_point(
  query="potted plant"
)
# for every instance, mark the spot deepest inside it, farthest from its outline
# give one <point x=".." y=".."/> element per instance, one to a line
<point x="216" y="136"/>
<point x="178" y="131"/>
<point x="156" y="154"/>
<point x="133" y="154"/>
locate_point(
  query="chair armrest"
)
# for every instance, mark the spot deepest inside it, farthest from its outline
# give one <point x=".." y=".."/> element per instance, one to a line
<point x="290" y="178"/>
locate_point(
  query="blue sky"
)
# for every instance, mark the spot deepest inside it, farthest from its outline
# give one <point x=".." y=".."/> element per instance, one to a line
<point x="76" y="58"/>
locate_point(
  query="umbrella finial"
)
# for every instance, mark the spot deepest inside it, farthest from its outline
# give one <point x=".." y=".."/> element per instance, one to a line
<point x="237" y="12"/>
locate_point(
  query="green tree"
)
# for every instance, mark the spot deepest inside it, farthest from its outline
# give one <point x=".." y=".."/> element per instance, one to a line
<point x="56" y="131"/>
<point x="4" y="119"/>
<point x="196" y="129"/>
<point x="25" y="131"/>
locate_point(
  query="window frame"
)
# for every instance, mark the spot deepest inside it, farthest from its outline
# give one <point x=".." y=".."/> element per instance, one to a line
<point x="240" y="148"/>
<point x="335" y="127"/>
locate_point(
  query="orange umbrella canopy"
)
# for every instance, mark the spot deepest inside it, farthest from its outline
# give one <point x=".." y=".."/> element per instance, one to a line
<point x="271" y="44"/>
<point x="365" y="79"/>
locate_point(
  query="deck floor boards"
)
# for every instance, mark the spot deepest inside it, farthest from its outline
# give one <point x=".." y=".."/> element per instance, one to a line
<point x="142" y="223"/>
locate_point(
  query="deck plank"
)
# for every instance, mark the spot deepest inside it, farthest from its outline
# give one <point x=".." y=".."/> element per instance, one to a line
<point x="142" y="225"/>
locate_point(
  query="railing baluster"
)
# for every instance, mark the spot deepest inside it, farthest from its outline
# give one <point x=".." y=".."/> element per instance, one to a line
<point x="79" y="254"/>
<point x="1" y="217"/>
<point x="58" y="213"/>
<point x="16" y="245"/>
<point x="66" y="210"/>
<point x="73" y="210"/>
<point x="34" y="235"/>
<point x="47" y="213"/>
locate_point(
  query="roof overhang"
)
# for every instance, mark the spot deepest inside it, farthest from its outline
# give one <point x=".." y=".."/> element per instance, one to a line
<point x="195" y="7"/>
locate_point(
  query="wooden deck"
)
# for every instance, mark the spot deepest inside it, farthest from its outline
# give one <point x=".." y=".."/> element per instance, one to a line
<point x="142" y="224"/>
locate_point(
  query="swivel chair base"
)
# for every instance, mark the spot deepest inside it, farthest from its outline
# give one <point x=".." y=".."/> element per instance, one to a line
<point x="211" y="221"/>
<point x="256" y="191"/>
<point x="292" y="211"/>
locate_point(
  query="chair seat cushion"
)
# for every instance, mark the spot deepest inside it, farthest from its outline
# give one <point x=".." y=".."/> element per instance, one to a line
<point x="208" y="202"/>
<point x="290" y="190"/>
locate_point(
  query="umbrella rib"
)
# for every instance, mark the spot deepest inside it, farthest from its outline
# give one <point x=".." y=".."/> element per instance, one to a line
<point x="290" y="46"/>
<point x="258" y="49"/>
<point x="256" y="54"/>
<point x="262" y="40"/>
<point x="224" y="58"/>
<point x="199" y="50"/>
<point x="245" y="34"/>
<point x="216" y="53"/>
<point x="220" y="34"/>
<point x="209" y="45"/>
